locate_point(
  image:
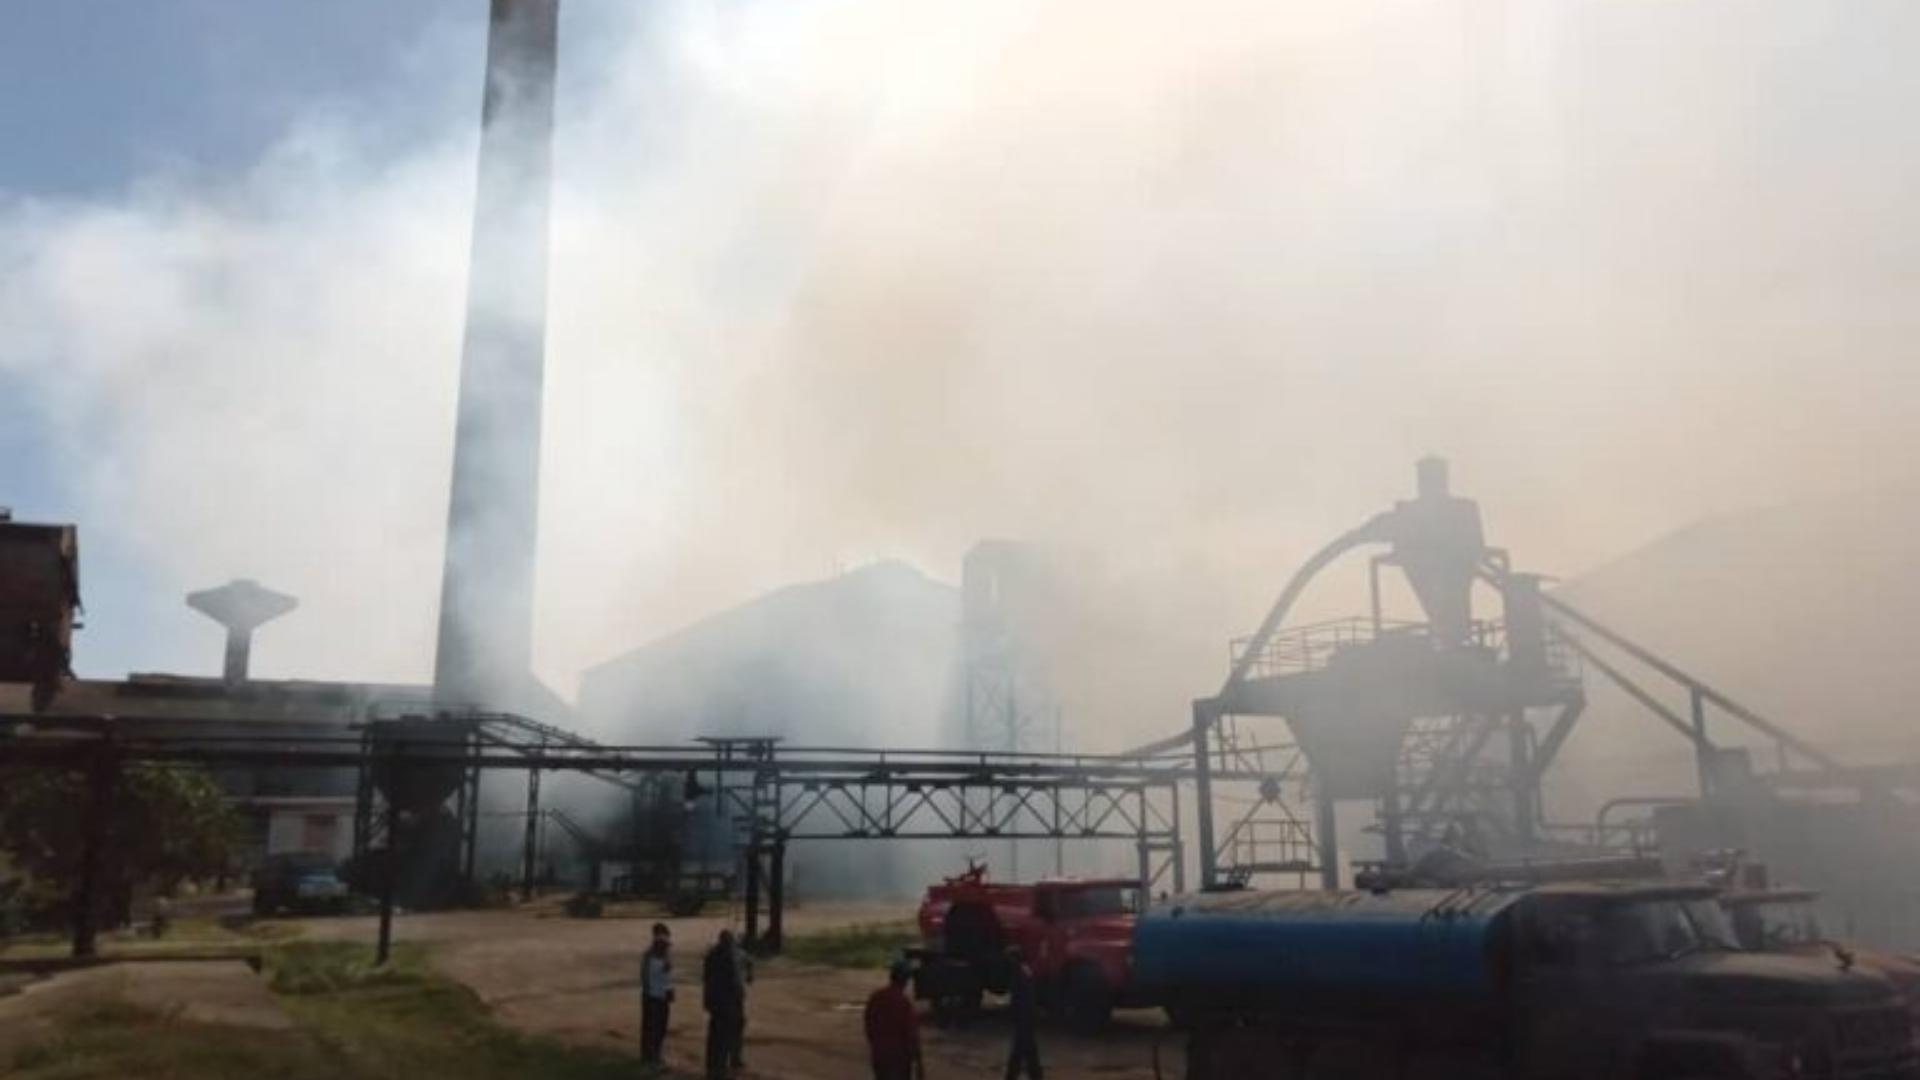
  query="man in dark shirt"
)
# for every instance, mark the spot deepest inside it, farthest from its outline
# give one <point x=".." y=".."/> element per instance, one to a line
<point x="1025" y="1054"/>
<point x="723" y="997"/>
<point x="893" y="1029"/>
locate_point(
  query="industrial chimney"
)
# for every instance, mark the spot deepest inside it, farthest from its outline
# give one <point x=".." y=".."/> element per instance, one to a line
<point x="484" y="653"/>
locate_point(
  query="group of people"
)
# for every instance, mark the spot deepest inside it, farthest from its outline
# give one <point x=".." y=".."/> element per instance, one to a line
<point x="892" y="1021"/>
<point x="725" y="975"/>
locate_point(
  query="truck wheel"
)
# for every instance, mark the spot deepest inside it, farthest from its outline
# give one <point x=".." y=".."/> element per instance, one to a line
<point x="1087" y="1001"/>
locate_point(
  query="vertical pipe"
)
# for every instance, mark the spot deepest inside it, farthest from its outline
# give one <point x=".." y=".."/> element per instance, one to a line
<point x="1203" y="792"/>
<point x="1701" y="747"/>
<point x="484" y="648"/>
<point x="1327" y="824"/>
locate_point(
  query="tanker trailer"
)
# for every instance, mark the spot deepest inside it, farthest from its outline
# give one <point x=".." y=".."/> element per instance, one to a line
<point x="1569" y="981"/>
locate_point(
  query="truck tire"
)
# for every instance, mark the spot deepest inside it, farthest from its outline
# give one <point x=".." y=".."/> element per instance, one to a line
<point x="1086" y="999"/>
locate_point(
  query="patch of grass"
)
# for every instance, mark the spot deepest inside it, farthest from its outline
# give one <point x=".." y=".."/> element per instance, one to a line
<point x="352" y="1021"/>
<point x="405" y="1022"/>
<point x="198" y="935"/>
<point x="869" y="945"/>
<point x="326" y="967"/>
<point x="114" y="1039"/>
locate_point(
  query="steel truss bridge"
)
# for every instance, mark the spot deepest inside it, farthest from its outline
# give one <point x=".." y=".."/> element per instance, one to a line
<point x="776" y="794"/>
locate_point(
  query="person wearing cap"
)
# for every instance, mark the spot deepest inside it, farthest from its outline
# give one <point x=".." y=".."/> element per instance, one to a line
<point x="656" y="994"/>
<point x="1024" y="1055"/>
<point x="893" y="1029"/>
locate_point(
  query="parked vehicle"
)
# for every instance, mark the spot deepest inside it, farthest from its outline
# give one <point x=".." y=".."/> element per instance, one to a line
<point x="1783" y="920"/>
<point x="1569" y="980"/>
<point x="1075" y="935"/>
<point x="301" y="882"/>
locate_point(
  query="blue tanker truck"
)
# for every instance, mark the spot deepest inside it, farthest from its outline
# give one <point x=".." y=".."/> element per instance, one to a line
<point x="1582" y="981"/>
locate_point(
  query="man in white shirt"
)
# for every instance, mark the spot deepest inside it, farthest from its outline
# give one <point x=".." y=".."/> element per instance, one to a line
<point x="656" y="994"/>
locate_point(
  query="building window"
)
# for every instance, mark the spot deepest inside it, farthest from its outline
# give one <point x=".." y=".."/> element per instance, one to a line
<point x="318" y="832"/>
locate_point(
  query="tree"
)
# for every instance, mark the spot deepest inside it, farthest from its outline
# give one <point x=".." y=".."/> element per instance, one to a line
<point x="168" y="825"/>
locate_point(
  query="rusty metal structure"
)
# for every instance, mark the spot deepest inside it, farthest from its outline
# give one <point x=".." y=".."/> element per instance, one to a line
<point x="413" y="765"/>
<point x="1445" y="725"/>
<point x="39" y="604"/>
<point x="1448" y="725"/>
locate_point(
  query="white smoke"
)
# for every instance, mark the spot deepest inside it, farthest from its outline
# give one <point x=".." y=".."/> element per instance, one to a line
<point x="1190" y="285"/>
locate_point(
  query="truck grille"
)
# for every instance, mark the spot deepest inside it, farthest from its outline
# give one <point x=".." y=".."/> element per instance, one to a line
<point x="1872" y="1037"/>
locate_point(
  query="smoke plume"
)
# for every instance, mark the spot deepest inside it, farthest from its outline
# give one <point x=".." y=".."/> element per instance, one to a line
<point x="1186" y="285"/>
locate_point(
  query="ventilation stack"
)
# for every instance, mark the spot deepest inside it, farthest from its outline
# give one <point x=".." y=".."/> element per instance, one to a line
<point x="484" y="654"/>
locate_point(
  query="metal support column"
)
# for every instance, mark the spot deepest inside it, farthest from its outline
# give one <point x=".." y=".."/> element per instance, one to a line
<point x="1523" y="777"/>
<point x="389" y="876"/>
<point x="469" y="808"/>
<point x="1179" y="851"/>
<point x="102" y="777"/>
<point x="363" y="798"/>
<point x="530" y="848"/>
<point x="1393" y="832"/>
<point x="1702" y="748"/>
<point x="751" y="940"/>
<point x="1142" y="843"/>
<point x="776" y="896"/>
<point x="1203" y="792"/>
<point x="1326" y="823"/>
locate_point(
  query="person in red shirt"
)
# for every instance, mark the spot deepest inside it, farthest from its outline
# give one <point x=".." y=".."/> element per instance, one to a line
<point x="893" y="1030"/>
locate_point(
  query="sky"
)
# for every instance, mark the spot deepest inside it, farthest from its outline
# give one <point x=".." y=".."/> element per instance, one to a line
<point x="100" y="97"/>
<point x="1188" y="287"/>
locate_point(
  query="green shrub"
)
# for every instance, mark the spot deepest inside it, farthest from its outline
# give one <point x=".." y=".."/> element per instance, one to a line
<point x="872" y="945"/>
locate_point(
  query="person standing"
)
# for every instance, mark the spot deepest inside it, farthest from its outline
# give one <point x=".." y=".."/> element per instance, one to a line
<point x="656" y="994"/>
<point x="722" y="994"/>
<point x="1025" y="1053"/>
<point x="743" y="972"/>
<point x="893" y="1029"/>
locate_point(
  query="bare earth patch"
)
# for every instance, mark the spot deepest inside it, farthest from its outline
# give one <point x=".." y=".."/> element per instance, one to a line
<point x="578" y="980"/>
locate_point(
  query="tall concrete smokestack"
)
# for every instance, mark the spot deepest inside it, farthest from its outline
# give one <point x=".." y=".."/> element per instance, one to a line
<point x="486" y="596"/>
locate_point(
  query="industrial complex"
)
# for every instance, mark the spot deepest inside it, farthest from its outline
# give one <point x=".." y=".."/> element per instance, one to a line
<point x="1355" y="846"/>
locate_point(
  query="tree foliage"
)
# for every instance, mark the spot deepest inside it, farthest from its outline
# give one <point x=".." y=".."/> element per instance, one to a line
<point x="168" y="825"/>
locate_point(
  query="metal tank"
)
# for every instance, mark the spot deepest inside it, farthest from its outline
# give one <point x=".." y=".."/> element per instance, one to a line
<point x="1293" y="944"/>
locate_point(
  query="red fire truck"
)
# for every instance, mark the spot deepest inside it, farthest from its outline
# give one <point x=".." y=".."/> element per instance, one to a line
<point x="1076" y="936"/>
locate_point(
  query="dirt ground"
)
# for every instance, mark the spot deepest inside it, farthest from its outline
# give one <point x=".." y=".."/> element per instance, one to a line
<point x="210" y="991"/>
<point x="578" y="980"/>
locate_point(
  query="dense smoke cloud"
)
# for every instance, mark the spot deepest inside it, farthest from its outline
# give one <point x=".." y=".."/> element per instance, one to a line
<point x="1187" y="285"/>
